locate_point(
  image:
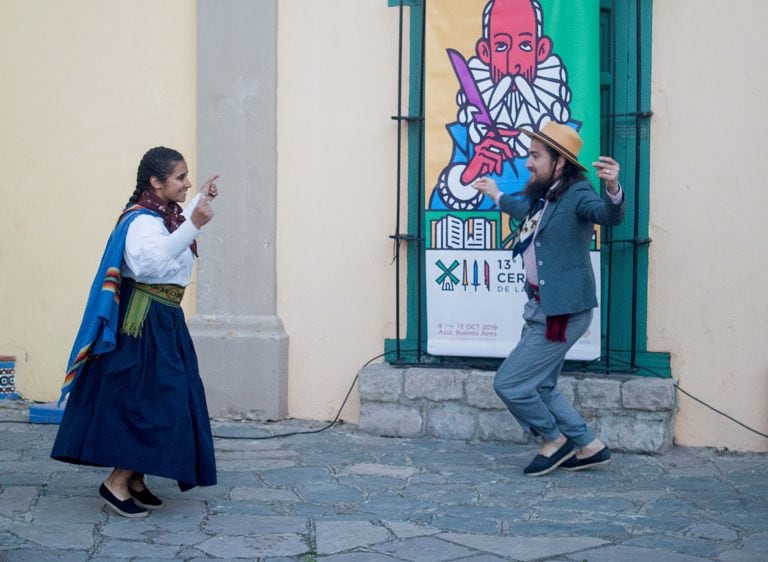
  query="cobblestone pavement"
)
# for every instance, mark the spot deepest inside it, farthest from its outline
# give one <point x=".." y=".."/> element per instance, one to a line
<point x="343" y="495"/>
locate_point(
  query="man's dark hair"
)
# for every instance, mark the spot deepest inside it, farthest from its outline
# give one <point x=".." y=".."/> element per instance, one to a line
<point x="571" y="174"/>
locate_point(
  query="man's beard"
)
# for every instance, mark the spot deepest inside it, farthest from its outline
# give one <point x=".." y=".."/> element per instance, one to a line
<point x="530" y="105"/>
<point x="536" y="188"/>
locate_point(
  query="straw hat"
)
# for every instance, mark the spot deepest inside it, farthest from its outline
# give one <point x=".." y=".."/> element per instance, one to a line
<point x="561" y="138"/>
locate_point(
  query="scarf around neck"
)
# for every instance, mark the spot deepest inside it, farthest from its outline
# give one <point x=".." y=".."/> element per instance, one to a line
<point x="170" y="211"/>
<point x="524" y="234"/>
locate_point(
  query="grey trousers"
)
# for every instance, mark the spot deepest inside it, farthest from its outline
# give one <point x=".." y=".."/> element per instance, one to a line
<point x="527" y="380"/>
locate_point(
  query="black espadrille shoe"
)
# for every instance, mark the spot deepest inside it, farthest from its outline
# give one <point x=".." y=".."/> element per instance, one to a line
<point x="126" y="508"/>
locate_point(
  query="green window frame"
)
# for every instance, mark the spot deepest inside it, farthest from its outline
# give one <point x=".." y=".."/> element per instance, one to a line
<point x="625" y="61"/>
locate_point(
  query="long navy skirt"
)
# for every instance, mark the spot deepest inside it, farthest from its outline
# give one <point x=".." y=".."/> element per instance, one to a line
<point x="142" y="407"/>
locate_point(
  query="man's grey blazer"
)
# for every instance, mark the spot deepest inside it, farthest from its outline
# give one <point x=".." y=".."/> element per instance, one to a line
<point x="566" y="281"/>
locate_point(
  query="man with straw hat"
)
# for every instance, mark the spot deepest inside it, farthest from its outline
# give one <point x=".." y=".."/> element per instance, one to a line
<point x="557" y="214"/>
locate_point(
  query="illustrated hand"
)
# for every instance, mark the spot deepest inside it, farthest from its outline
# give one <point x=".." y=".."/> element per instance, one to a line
<point x="608" y="170"/>
<point x="202" y="213"/>
<point x="487" y="186"/>
<point x="209" y="189"/>
<point x="490" y="154"/>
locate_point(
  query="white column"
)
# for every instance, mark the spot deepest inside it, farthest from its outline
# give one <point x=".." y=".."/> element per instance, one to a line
<point x="241" y="343"/>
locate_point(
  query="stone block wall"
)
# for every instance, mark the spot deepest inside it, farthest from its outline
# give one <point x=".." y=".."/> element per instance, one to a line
<point x="628" y="413"/>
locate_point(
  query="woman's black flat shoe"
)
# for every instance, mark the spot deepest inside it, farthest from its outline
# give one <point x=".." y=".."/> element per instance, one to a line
<point x="146" y="498"/>
<point x="126" y="508"/>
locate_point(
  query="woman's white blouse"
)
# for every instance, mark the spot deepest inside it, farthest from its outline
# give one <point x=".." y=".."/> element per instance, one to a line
<point x="154" y="255"/>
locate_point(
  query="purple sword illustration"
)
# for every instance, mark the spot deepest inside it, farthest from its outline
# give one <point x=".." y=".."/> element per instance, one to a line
<point x="469" y="86"/>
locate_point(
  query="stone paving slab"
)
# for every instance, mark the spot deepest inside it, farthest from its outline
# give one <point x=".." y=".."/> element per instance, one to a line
<point x="343" y="495"/>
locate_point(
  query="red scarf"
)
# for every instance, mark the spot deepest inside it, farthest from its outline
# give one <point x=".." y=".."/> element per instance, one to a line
<point x="556" y="325"/>
<point x="170" y="211"/>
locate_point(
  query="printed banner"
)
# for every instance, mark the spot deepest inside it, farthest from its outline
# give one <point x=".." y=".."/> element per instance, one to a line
<point x="493" y="68"/>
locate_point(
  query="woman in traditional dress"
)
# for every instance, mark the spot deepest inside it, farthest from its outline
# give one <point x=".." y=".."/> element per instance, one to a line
<point x="134" y="398"/>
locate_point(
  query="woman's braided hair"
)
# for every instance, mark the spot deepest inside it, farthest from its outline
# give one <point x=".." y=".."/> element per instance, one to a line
<point x="158" y="162"/>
